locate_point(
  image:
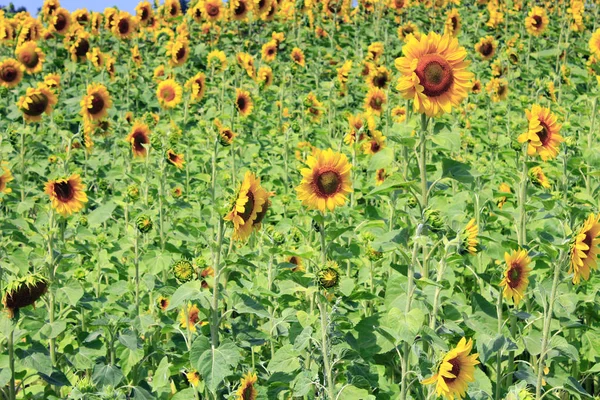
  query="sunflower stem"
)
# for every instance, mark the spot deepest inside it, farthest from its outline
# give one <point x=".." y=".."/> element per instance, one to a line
<point x="592" y="123"/>
<point x="137" y="272"/>
<point x="322" y="304"/>
<point x="423" y="172"/>
<point x="547" y="323"/>
<point x="214" y="326"/>
<point x="51" y="273"/>
<point x="11" y="363"/>
<point x="499" y="355"/>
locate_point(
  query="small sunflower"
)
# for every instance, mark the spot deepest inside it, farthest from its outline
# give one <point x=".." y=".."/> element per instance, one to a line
<point x="486" y="47"/>
<point x="297" y="262"/>
<point x="538" y="178"/>
<point x="536" y="21"/>
<point x="297" y="56"/>
<point x="5" y="177"/>
<point x="123" y="25"/>
<point x="226" y="135"/>
<point x="178" y="52"/>
<point x="243" y="102"/>
<point x="193" y="317"/>
<point x="453" y="23"/>
<point x="163" y="303"/>
<point x="314" y="108"/>
<point x="247" y="391"/>
<point x="375" y="51"/>
<point x="11" y="73"/>
<point x="239" y="9"/>
<point x="408" y="30"/>
<point x="380" y="176"/>
<point x="175" y="159"/>
<point x="212" y="9"/>
<point x="455" y="372"/>
<point x="169" y="93"/>
<point x="375" y="101"/>
<point x="136" y="56"/>
<point x="96" y="102"/>
<point x="96" y="57"/>
<point x="80" y="46"/>
<point x="246" y="61"/>
<point x="516" y="275"/>
<point x="37" y="102"/>
<point x="503" y="188"/>
<point x="139" y="136"/>
<point x="144" y="12"/>
<point x="379" y="77"/>
<point x="193" y="377"/>
<point x="399" y="114"/>
<point x="469" y="241"/>
<point x="31" y="56"/>
<point x="434" y="73"/>
<point x="343" y="72"/>
<point x="264" y="76"/>
<point x="476" y="87"/>
<point x="197" y="86"/>
<point x="497" y="89"/>
<point x="172" y="8"/>
<point x="269" y="51"/>
<point x="375" y="144"/>
<point x="542" y="134"/>
<point x="329" y="276"/>
<point x="585" y="249"/>
<point x="67" y="194"/>
<point x="326" y="181"/>
<point x="251" y="199"/>
<point x="218" y="59"/>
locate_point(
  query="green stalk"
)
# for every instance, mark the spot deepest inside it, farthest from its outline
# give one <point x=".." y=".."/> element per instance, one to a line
<point x="322" y="304"/>
<point x="591" y="131"/>
<point x="51" y="273"/>
<point x="137" y="272"/>
<point x="423" y="173"/>
<point x="214" y="326"/>
<point x="11" y="363"/>
<point x="499" y="355"/>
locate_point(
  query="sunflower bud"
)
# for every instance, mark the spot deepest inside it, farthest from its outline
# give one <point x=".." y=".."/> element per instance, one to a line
<point x="329" y="277"/>
<point x="85" y="385"/>
<point x="433" y="220"/>
<point x="24" y="292"/>
<point x="133" y="192"/>
<point x="143" y="223"/>
<point x="296" y="235"/>
<point x="374" y="255"/>
<point x="411" y="202"/>
<point x="83" y="221"/>
<point x="156" y="141"/>
<point x="368" y="237"/>
<point x="183" y="270"/>
<point x="80" y="273"/>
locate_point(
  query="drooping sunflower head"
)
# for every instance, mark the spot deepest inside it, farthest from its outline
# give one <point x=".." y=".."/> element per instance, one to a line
<point x="247" y="391"/>
<point x="329" y="276"/>
<point x="169" y="93"/>
<point x="264" y="76"/>
<point x="379" y="77"/>
<point x="516" y="275"/>
<point x="5" y="177"/>
<point x="250" y="201"/>
<point x="96" y="103"/>
<point x="297" y="56"/>
<point x="243" y="102"/>
<point x="326" y="180"/>
<point x="486" y="47"/>
<point x="31" y="56"/>
<point x="192" y="319"/>
<point x="469" y="241"/>
<point x="23" y="292"/>
<point x="175" y="159"/>
<point x="36" y="102"/>
<point x="269" y="51"/>
<point x="542" y="134"/>
<point x="11" y="73"/>
<point x="375" y="101"/>
<point x="585" y="249"/>
<point x="434" y="73"/>
<point x="139" y="138"/>
<point x="67" y="194"/>
<point x="453" y="23"/>
<point x="536" y="21"/>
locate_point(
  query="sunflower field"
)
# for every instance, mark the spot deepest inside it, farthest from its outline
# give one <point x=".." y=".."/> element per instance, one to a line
<point x="301" y="199"/>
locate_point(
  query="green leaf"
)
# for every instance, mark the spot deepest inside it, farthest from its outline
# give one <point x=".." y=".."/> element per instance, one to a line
<point x="351" y="392"/>
<point x="73" y="292"/>
<point x="128" y="358"/>
<point x="574" y="387"/>
<point x="200" y="345"/>
<point x="402" y="326"/>
<point x="37" y="361"/>
<point x="247" y="305"/>
<point x="101" y="214"/>
<point x="106" y="375"/>
<point x="161" y="375"/>
<point x="51" y="331"/>
<point x="456" y="170"/>
<point x="284" y="360"/>
<point x="184" y="293"/>
<point x="381" y="159"/>
<point x="185" y="394"/>
<point x="215" y="365"/>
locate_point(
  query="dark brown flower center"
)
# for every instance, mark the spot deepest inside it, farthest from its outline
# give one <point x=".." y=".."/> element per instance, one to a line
<point x="83" y="18"/>
<point x="544" y="134"/>
<point x="61" y="22"/>
<point x="375" y="147"/>
<point x="241" y="103"/>
<point x="164" y="303"/>
<point x="248" y="207"/>
<point x="454" y="22"/>
<point x="514" y="275"/>
<point x="537" y="21"/>
<point x="123" y="26"/>
<point x="502" y="90"/>
<point x="173" y="157"/>
<point x="144" y="14"/>
<point x="334" y="6"/>
<point x="241" y="9"/>
<point x="64" y="191"/>
<point x="248" y="392"/>
<point x="380" y="80"/>
<point x="435" y="74"/>
<point x="271" y="51"/>
<point x="486" y="49"/>
<point x="37" y="106"/>
<point x="82" y="47"/>
<point x="30" y="59"/>
<point x="328" y="183"/>
<point x="139" y="140"/>
<point x="181" y="53"/>
<point x="8" y="73"/>
<point x="376" y="102"/>
<point x="261" y="214"/>
<point x="173" y="11"/>
<point x="212" y="10"/>
<point x="97" y="104"/>
<point x="262" y="4"/>
<point x="476" y="87"/>
<point x="455" y="362"/>
<point x="168" y="93"/>
<point x="193" y="317"/>
<point x="588" y="241"/>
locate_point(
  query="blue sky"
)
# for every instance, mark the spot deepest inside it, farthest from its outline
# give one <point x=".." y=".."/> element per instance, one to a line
<point x="71" y="5"/>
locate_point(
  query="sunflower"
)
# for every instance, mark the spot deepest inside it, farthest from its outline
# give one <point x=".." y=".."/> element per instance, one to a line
<point x="375" y="51"/>
<point x="538" y="178"/>
<point x="379" y="77"/>
<point x="36" y="102"/>
<point x="380" y="176"/>
<point x="206" y="273"/>
<point x="178" y="52"/>
<point x="212" y="9"/>
<point x="542" y="134"/>
<point x="96" y="22"/>
<point x="516" y="275"/>
<point x="585" y="249"/>
<point x="31" y="56"/>
<point x="399" y="114"/>
<point x="269" y="51"/>
<point x="536" y="21"/>
<point x="247" y="391"/>
<point x="218" y="59"/>
<point x="239" y="9"/>
<point x="110" y="67"/>
<point x="60" y="21"/>
<point x="175" y="159"/>
<point x="297" y="56"/>
<point x="434" y="73"/>
<point x="314" y="108"/>
<point x="398" y="5"/>
<point x="193" y="317"/>
<point x="297" y="262"/>
<point x="81" y="16"/>
<point x="144" y="12"/>
<point x="49" y="7"/>
<point x="246" y="61"/>
<point x="80" y="46"/>
<point x="476" y="87"/>
<point x="172" y="8"/>
<point x="67" y="194"/>
<point x="486" y="47"/>
<point x="23" y="292"/>
<point x="251" y="199"/>
<point x="96" y="57"/>
<point x="136" y="56"/>
<point x="376" y="144"/>
<point x="594" y="44"/>
<point x="497" y="89"/>
<point x="123" y="25"/>
<point x="169" y="93"/>
<point x="455" y="371"/>
<point x="96" y="102"/>
<point x="243" y="102"/>
<point x="264" y="76"/>
<point x="193" y="377"/>
<point x="375" y="101"/>
<point x="5" y="177"/>
<point x="197" y="86"/>
<point x="453" y="23"/>
<point x="343" y="73"/>
<point x="139" y="136"/>
<point x="408" y="30"/>
<point x="503" y="188"/>
<point x="326" y="181"/>
<point x="469" y="240"/>
<point x="226" y="135"/>
<point x="11" y="73"/>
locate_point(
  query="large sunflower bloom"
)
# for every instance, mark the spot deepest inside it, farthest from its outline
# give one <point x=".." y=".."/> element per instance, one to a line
<point x="542" y="134"/>
<point x="124" y="25"/>
<point x="247" y="391"/>
<point x="585" y="249"/>
<point x="5" y="177"/>
<point x="243" y="102"/>
<point x="326" y="181"/>
<point x="516" y="275"/>
<point x="37" y="102"/>
<point x="250" y="201"/>
<point x="169" y="93"/>
<point x="536" y="21"/>
<point x="31" y="56"/>
<point x="138" y="137"/>
<point x="96" y="102"/>
<point x="67" y="194"/>
<point x="11" y="73"/>
<point x="434" y="73"/>
<point x="455" y="372"/>
<point x="60" y="21"/>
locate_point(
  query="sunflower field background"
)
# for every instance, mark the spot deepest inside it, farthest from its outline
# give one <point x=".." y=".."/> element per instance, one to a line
<point x="312" y="199"/>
